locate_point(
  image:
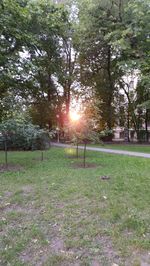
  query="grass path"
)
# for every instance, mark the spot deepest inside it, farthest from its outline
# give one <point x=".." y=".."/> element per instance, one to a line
<point x="54" y="214"/>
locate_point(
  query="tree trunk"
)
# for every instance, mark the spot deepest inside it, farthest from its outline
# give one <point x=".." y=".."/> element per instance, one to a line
<point x="146" y="125"/>
<point x="120" y="10"/>
<point x="84" y="155"/>
<point x="42" y="156"/>
<point x="67" y="104"/>
<point x="6" y="157"/>
<point x="77" y="150"/>
<point x="50" y="96"/>
<point x="130" y="106"/>
<point x="109" y="121"/>
<point x="128" y="124"/>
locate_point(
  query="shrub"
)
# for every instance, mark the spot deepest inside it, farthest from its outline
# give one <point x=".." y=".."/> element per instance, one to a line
<point x="106" y="135"/>
<point x="142" y="135"/>
<point x="22" y="135"/>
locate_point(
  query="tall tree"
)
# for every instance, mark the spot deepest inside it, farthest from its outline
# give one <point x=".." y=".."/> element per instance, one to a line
<point x="36" y="51"/>
<point x="13" y="36"/>
<point x="114" y="45"/>
<point x="97" y="54"/>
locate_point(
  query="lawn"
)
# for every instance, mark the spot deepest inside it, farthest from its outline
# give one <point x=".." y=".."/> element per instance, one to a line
<point x="53" y="213"/>
<point x="125" y="147"/>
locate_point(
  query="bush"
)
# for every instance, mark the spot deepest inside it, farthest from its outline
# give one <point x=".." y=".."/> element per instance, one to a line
<point x="106" y="135"/>
<point x="142" y="135"/>
<point x="21" y="135"/>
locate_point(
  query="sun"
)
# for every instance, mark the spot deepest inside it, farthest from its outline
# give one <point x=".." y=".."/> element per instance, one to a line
<point x="74" y="116"/>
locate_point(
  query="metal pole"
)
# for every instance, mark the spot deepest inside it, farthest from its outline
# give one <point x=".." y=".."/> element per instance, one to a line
<point x="6" y="158"/>
<point x="58" y="136"/>
<point x="42" y="156"/>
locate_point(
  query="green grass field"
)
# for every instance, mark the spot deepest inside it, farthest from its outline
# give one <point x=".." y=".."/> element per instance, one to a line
<point x="125" y="147"/>
<point x="53" y="213"/>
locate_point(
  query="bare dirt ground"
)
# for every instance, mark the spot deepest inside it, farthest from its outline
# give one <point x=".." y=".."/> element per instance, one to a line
<point x="10" y="167"/>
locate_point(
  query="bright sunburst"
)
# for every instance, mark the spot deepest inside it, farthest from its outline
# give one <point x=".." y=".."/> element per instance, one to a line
<point x="74" y="116"/>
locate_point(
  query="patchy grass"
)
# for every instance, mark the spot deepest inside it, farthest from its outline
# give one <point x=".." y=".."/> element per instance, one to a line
<point x="54" y="214"/>
<point x="125" y="147"/>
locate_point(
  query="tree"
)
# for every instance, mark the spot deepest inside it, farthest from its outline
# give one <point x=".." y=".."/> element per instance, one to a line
<point x="13" y="36"/>
<point x="52" y="52"/>
<point x="34" y="53"/>
<point x="98" y="58"/>
<point x="116" y="49"/>
<point x="67" y="74"/>
<point x="82" y="131"/>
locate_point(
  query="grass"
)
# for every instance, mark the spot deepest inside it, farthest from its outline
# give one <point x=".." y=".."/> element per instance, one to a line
<point x="54" y="214"/>
<point x="125" y="147"/>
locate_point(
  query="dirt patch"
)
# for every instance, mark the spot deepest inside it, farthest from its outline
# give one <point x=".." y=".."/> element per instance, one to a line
<point x="7" y="208"/>
<point x="5" y="196"/>
<point x="77" y="165"/>
<point x="10" y="168"/>
<point x="8" y="194"/>
<point x="27" y="189"/>
<point x="95" y="263"/>
<point x="108" y="250"/>
<point x="57" y="245"/>
<point x="38" y="255"/>
<point x="34" y="253"/>
<point x="105" y="177"/>
<point x="59" y="205"/>
<point x="139" y="259"/>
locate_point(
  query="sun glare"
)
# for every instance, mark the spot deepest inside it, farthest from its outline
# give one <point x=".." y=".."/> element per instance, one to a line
<point x="74" y="116"/>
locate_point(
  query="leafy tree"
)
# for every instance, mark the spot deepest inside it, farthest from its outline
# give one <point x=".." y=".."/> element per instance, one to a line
<point x="98" y="58"/>
<point x="31" y="60"/>
<point x="114" y="46"/>
<point x="49" y="49"/>
<point x="13" y="36"/>
<point x="132" y="40"/>
<point x="82" y="131"/>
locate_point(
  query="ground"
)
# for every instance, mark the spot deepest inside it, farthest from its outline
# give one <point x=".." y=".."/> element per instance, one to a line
<point x="53" y="213"/>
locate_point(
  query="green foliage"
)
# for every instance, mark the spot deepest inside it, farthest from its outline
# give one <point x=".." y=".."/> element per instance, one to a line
<point x="106" y="135"/>
<point x="30" y="52"/>
<point x="50" y="53"/>
<point x="143" y="135"/>
<point x="98" y="59"/>
<point x="82" y="131"/>
<point x="42" y="114"/>
<point x="23" y="135"/>
<point x="114" y="44"/>
<point x="13" y="39"/>
<point x="145" y="104"/>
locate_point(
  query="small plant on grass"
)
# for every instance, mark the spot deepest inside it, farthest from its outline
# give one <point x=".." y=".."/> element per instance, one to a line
<point x="76" y="140"/>
<point x="73" y="128"/>
<point x="6" y="155"/>
<point x="88" y="135"/>
<point x="82" y="132"/>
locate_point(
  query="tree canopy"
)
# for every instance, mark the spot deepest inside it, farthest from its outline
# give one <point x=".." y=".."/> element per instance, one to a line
<point x="53" y="53"/>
